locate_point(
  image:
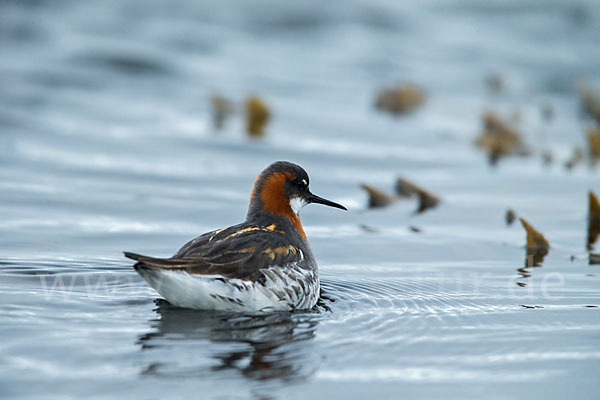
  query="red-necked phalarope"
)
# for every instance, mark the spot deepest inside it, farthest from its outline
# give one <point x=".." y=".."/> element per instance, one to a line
<point x="263" y="264"/>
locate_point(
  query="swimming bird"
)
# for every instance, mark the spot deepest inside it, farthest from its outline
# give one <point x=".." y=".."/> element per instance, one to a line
<point x="262" y="264"/>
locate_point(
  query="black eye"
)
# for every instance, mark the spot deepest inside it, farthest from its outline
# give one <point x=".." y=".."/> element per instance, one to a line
<point x="302" y="184"/>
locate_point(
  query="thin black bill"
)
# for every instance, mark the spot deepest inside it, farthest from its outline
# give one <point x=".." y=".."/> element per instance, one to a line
<point x="312" y="198"/>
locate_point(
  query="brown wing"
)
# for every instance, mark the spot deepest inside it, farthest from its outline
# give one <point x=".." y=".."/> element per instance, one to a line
<point x="237" y="252"/>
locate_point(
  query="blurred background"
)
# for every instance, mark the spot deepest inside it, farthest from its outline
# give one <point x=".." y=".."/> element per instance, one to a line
<point x="137" y="125"/>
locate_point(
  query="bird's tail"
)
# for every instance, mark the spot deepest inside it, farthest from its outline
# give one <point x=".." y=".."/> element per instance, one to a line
<point x="158" y="263"/>
<point x="133" y="256"/>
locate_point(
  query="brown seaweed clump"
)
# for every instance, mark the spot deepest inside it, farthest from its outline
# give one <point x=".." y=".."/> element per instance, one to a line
<point x="222" y="108"/>
<point x="400" y="99"/>
<point x="593" y="220"/>
<point x="589" y="101"/>
<point x="593" y="139"/>
<point x="378" y="198"/>
<point x="537" y="245"/>
<point x="427" y="200"/>
<point x="498" y="138"/>
<point x="257" y="116"/>
<point x="406" y="188"/>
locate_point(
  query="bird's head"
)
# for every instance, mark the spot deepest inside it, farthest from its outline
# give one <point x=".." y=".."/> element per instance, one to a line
<point x="283" y="189"/>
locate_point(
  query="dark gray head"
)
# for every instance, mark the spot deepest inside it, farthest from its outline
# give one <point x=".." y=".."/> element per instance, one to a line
<point x="283" y="189"/>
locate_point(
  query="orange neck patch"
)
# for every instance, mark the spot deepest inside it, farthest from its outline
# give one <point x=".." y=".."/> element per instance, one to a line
<point x="274" y="199"/>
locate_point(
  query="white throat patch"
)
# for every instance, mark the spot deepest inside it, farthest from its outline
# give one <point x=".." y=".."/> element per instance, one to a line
<point x="297" y="203"/>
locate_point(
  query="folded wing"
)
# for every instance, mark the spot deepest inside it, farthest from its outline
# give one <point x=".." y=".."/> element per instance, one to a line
<point x="238" y="252"/>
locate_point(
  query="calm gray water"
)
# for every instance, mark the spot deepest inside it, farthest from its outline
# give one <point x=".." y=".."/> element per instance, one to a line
<point x="106" y="144"/>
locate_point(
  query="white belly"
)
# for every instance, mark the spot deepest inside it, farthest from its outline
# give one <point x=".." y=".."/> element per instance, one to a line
<point x="285" y="289"/>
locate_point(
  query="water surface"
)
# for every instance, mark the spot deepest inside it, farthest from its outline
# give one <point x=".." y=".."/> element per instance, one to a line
<point x="107" y="145"/>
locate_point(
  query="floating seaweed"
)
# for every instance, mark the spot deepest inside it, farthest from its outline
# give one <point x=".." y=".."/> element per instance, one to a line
<point x="378" y="198"/>
<point x="427" y="200"/>
<point x="498" y="138"/>
<point x="400" y="99"/>
<point x="593" y="220"/>
<point x="406" y="188"/>
<point x="257" y="116"/>
<point x="222" y="108"/>
<point x="593" y="140"/>
<point x="590" y="102"/>
<point x="510" y="217"/>
<point x="537" y="245"/>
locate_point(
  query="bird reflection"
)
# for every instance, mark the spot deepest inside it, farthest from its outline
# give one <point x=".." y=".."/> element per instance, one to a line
<point x="263" y="347"/>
